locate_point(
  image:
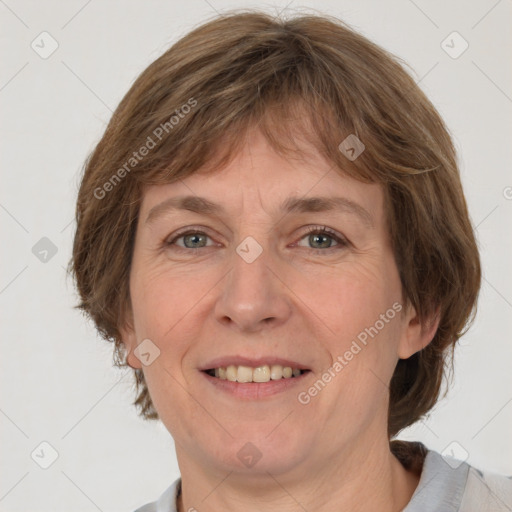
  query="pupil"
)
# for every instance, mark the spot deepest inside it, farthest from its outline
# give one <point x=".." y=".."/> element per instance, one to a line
<point x="317" y="236"/>
<point x="314" y="238"/>
<point x="188" y="237"/>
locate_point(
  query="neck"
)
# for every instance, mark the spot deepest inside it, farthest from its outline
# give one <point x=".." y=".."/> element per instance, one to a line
<point x="373" y="481"/>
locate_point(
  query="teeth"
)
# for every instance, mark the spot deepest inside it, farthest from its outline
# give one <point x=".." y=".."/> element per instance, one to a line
<point x="244" y="374"/>
<point x="263" y="373"/>
<point x="231" y="373"/>
<point x="276" y="372"/>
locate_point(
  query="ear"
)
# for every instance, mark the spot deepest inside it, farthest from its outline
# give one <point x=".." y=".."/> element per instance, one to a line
<point x="416" y="335"/>
<point x="129" y="339"/>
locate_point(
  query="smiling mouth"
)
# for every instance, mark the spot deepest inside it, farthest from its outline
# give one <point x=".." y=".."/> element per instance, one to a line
<point x="246" y="374"/>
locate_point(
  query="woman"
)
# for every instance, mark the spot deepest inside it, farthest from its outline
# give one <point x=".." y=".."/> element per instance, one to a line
<point x="273" y="233"/>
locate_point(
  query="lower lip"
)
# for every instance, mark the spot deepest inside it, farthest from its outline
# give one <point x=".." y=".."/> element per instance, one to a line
<point x="255" y="390"/>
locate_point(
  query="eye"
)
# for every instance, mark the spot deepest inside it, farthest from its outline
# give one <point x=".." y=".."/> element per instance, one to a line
<point x="191" y="239"/>
<point x="321" y="238"/>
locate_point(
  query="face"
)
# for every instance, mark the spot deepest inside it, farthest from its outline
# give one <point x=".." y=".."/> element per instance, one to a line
<point x="264" y="280"/>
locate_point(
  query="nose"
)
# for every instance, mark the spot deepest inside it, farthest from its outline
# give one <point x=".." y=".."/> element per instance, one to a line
<point x="254" y="295"/>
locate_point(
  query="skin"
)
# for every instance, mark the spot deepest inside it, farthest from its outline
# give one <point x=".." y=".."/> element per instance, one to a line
<point x="301" y="299"/>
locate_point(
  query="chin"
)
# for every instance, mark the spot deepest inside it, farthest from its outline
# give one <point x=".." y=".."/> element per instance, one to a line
<point x="255" y="451"/>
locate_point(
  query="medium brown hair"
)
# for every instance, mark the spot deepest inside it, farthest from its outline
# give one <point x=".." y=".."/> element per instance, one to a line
<point x="309" y="77"/>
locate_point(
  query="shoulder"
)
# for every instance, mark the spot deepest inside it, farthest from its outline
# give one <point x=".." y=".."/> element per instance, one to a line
<point x="166" y="502"/>
<point x="487" y="492"/>
<point x="452" y="485"/>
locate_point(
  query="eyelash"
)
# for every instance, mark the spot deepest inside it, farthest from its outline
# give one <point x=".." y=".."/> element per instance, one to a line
<point x="317" y="230"/>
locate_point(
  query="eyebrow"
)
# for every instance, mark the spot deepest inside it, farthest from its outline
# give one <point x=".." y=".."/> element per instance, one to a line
<point x="204" y="206"/>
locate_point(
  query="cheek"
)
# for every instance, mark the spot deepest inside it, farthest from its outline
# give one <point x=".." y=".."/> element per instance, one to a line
<point x="168" y="395"/>
<point x="362" y="312"/>
<point x="355" y="298"/>
<point x="162" y="299"/>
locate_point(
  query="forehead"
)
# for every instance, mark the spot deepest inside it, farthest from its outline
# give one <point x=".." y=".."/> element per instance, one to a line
<point x="258" y="178"/>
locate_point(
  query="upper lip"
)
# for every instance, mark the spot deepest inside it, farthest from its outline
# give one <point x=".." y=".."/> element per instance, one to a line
<point x="223" y="362"/>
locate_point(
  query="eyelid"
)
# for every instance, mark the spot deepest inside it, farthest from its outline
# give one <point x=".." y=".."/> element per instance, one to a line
<point x="189" y="230"/>
<point x="341" y="241"/>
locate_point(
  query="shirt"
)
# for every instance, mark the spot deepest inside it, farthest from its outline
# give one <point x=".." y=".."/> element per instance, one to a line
<point x="446" y="485"/>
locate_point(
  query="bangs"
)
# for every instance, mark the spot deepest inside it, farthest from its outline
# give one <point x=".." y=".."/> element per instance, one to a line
<point x="294" y="129"/>
<point x="291" y="95"/>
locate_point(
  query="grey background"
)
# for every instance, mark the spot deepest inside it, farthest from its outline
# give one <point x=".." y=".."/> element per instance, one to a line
<point x="57" y="382"/>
